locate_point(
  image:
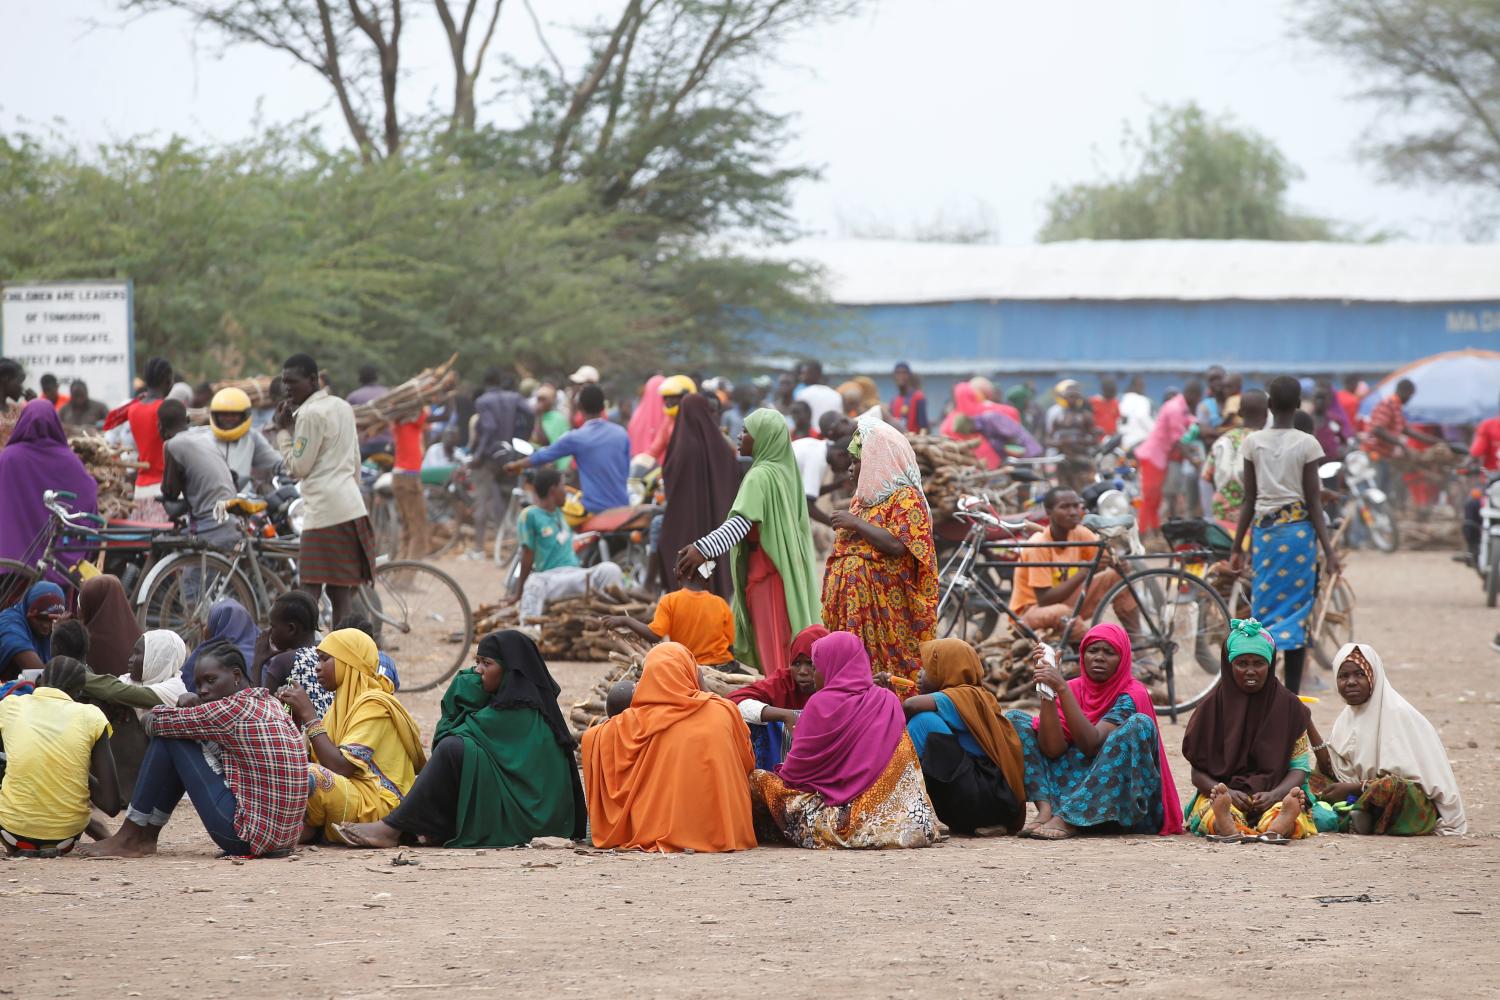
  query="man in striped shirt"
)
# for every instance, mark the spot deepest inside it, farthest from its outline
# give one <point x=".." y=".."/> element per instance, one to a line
<point x="237" y="754"/>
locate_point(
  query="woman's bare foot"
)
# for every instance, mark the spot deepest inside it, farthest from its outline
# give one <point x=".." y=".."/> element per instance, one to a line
<point x="1224" y="825"/>
<point x="377" y="834"/>
<point x="1043" y="816"/>
<point x="1055" y="828"/>
<point x="132" y="841"/>
<point x="1285" y="823"/>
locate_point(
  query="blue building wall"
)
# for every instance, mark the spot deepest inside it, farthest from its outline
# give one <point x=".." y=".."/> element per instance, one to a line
<point x="1073" y="336"/>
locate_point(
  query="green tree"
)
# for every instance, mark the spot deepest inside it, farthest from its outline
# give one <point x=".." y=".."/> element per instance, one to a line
<point x="1190" y="176"/>
<point x="1434" y="67"/>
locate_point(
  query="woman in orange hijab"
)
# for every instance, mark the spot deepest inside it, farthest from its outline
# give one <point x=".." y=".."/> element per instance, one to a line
<point x="670" y="773"/>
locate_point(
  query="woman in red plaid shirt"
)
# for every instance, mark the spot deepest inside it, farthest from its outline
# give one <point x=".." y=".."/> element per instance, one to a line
<point x="236" y="754"/>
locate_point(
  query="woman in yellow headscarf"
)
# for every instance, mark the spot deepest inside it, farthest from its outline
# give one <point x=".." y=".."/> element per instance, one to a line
<point x="366" y="752"/>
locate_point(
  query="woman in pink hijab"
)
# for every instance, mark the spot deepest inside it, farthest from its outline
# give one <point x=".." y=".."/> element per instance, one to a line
<point x="649" y="417"/>
<point x="1094" y="754"/>
<point x="851" y="778"/>
<point x="969" y="403"/>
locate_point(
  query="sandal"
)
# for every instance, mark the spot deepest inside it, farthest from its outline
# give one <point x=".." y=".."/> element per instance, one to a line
<point x="1270" y="838"/>
<point x="1051" y="833"/>
<point x="1226" y="838"/>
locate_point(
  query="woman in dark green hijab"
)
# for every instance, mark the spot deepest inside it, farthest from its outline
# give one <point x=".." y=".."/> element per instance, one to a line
<point x="769" y="545"/>
<point x="502" y="769"/>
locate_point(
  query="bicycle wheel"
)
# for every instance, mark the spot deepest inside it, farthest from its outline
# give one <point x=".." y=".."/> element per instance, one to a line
<point x="1176" y="635"/>
<point x="186" y="586"/>
<point x="422" y="618"/>
<point x="386" y="527"/>
<point x="970" y="613"/>
<point x="444" y="523"/>
<point x="1337" y="626"/>
<point x="16" y="578"/>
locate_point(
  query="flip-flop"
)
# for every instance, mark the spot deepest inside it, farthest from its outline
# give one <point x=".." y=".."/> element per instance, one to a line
<point x="342" y="829"/>
<point x="1271" y="838"/>
<point x="1051" y="833"/>
<point x="1227" y="838"/>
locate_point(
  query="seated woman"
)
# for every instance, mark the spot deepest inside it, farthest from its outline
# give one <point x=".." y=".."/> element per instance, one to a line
<point x="851" y="778"/>
<point x="1385" y="767"/>
<point x="668" y="773"/>
<point x="387" y="665"/>
<point x="502" y="768"/>
<point x="236" y="754"/>
<point x="772" y="705"/>
<point x="1094" y="755"/>
<point x="1249" y="750"/>
<point x="227" y="620"/>
<point x="152" y="667"/>
<point x="287" y="652"/>
<point x="105" y="612"/>
<point x="59" y="759"/>
<point x="367" y="750"/>
<point x="26" y="630"/>
<point x="972" y="762"/>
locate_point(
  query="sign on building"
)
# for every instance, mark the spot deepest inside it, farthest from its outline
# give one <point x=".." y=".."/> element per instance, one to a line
<point x="74" y="330"/>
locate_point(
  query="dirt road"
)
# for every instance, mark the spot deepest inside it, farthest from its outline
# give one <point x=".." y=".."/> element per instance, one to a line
<point x="1139" y="916"/>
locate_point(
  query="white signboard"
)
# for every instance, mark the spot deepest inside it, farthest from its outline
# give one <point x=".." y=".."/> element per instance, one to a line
<point x="74" y="330"/>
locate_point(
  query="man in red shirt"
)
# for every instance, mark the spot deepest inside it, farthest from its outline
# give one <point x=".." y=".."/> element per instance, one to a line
<point x="1389" y="431"/>
<point x="1106" y="406"/>
<point x="406" y="484"/>
<point x="1349" y="397"/>
<point x="1484" y="453"/>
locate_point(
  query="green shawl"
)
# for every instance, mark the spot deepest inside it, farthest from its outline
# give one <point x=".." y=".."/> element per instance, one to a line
<point x="515" y="783"/>
<point x="771" y="498"/>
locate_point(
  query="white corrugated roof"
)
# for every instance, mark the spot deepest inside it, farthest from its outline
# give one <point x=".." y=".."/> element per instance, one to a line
<point x="885" y="272"/>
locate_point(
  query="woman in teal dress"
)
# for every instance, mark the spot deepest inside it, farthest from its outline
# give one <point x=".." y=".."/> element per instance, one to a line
<point x="1094" y="756"/>
<point x="502" y="770"/>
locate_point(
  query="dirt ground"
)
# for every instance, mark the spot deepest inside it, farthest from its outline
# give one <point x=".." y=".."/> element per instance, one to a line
<point x="1139" y="916"/>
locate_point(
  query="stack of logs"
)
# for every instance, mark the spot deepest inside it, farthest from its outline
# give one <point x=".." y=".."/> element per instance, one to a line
<point x="626" y="660"/>
<point x="570" y="629"/>
<point x="403" y="403"/>
<point x="109" y="471"/>
<point x="1007" y="668"/>
<point x="944" y="464"/>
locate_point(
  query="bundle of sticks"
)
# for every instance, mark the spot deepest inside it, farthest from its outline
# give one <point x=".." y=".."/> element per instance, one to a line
<point x="626" y="660"/>
<point x="570" y="629"/>
<point x="257" y="388"/>
<point x="108" y="469"/>
<point x="430" y="385"/>
<point x="944" y="464"/>
<point x="1007" y="669"/>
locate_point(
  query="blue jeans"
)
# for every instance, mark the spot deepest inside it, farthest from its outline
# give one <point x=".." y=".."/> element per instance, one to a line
<point x="172" y="767"/>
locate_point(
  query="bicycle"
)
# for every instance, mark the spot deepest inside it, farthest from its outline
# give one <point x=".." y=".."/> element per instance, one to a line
<point x="1180" y="621"/>
<point x="420" y="613"/>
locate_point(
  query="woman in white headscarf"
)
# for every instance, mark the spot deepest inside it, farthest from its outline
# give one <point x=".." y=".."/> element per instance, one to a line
<point x="151" y="674"/>
<point x="1386" y="760"/>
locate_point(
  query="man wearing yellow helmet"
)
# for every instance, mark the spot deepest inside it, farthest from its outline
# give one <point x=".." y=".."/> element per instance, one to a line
<point x="672" y="390"/>
<point x="246" y="451"/>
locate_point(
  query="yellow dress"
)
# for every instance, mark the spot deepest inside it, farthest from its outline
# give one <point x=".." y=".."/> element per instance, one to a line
<point x="372" y="730"/>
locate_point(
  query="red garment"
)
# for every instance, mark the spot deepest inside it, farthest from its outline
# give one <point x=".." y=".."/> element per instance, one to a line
<point x="910" y="411"/>
<point x="61" y="402"/>
<point x="1350" y="402"/>
<point x="1153" y="478"/>
<point x="765" y="600"/>
<point x="1389" y="415"/>
<point x="1106" y="414"/>
<point x="1486" y="444"/>
<point x="148" y="444"/>
<point x="264" y="760"/>
<point x="410" y="443"/>
<point x="967" y="401"/>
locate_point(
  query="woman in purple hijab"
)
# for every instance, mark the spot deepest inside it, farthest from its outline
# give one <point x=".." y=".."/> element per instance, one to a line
<point x="851" y="778"/>
<point x="37" y="458"/>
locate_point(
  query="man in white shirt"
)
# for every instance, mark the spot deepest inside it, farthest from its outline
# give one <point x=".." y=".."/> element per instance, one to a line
<point x="318" y="441"/>
<point x="1135" y="414"/>
<point x="819" y="398"/>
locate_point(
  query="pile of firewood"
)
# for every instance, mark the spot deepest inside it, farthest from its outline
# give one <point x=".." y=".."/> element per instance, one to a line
<point x="109" y="471"/>
<point x="429" y="386"/>
<point x="1430" y="528"/>
<point x="570" y="629"/>
<point x="944" y="465"/>
<point x="1007" y="669"/>
<point x="626" y="660"/>
<point x="257" y="388"/>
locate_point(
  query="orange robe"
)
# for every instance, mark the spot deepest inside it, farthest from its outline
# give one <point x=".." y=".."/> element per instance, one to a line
<point x="671" y="772"/>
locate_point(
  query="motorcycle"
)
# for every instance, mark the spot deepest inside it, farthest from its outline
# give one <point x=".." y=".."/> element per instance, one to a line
<point x="1487" y="561"/>
<point x="1364" y="501"/>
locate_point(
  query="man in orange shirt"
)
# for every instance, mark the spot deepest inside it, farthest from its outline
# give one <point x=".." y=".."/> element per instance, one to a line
<point x="1106" y="406"/>
<point x="1044" y="595"/>
<point x="406" y="484"/>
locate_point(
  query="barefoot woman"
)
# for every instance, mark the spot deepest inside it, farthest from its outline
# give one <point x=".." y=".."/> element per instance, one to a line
<point x="1248" y="747"/>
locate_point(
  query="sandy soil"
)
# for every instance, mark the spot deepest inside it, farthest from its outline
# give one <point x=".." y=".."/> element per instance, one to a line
<point x="1139" y="916"/>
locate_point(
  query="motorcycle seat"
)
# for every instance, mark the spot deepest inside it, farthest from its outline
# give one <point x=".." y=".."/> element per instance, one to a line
<point x="620" y="519"/>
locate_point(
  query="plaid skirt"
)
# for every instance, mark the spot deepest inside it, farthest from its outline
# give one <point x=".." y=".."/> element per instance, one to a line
<point x="342" y="555"/>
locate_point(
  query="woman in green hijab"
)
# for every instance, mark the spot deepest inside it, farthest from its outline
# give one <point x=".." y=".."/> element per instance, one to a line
<point x="770" y="548"/>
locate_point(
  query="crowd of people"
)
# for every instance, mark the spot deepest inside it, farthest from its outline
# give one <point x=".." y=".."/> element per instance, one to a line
<point x="867" y="729"/>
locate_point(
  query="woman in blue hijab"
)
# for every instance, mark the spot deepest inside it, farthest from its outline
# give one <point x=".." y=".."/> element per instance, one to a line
<point x="227" y="620"/>
<point x="26" y="630"/>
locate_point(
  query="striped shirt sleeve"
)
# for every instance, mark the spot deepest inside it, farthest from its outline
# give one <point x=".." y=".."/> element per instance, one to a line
<point x="725" y="537"/>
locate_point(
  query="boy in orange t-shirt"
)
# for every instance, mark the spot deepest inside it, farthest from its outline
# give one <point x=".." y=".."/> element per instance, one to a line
<point x="700" y="620"/>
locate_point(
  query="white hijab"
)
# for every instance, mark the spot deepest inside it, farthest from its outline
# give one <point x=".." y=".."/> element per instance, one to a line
<point x="162" y="669"/>
<point x="1386" y="735"/>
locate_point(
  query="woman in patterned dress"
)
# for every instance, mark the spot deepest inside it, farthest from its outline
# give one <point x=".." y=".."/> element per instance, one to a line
<point x="881" y="581"/>
<point x="1094" y="755"/>
<point x="851" y="778"/>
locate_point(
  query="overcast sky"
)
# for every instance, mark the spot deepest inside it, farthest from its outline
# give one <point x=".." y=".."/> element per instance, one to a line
<point x="914" y="110"/>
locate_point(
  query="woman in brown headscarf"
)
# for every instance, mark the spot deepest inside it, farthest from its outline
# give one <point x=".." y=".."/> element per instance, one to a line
<point x="701" y="475"/>
<point x="971" y="756"/>
<point x="105" y="612"/>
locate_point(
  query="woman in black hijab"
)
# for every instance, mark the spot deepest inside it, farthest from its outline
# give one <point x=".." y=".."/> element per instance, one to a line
<point x="701" y="475"/>
<point x="502" y="770"/>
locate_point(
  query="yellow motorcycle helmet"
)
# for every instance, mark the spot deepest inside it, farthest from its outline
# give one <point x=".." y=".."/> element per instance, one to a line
<point x="229" y="402"/>
<point x="572" y="509"/>
<point x="675" y="388"/>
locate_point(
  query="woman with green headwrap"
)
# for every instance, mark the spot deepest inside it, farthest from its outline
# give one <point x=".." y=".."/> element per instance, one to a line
<point x="1249" y="748"/>
<point x="769" y="546"/>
